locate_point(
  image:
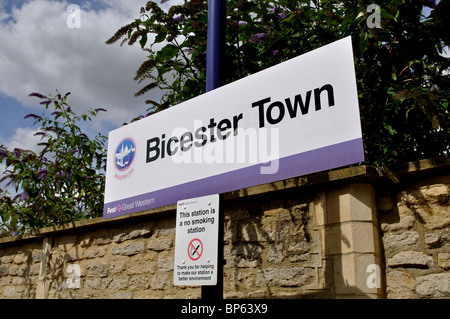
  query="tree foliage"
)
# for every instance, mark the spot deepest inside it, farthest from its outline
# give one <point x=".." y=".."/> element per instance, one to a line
<point x="402" y="77"/>
<point x="61" y="184"/>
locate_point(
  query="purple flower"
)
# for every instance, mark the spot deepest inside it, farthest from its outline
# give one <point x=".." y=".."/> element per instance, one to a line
<point x="35" y="116"/>
<point x="69" y="109"/>
<point x="61" y="173"/>
<point x="261" y="35"/>
<point x="275" y="52"/>
<point x="43" y="176"/>
<point x="100" y="109"/>
<point x="15" y="233"/>
<point x="39" y="95"/>
<point x="282" y="16"/>
<point x="47" y="102"/>
<point x="435" y="88"/>
<point x="3" y="154"/>
<point x="55" y="112"/>
<point x="17" y="152"/>
<point x="24" y="195"/>
<point x="177" y="18"/>
<point x="39" y="133"/>
<point x="257" y="37"/>
<point x="41" y="171"/>
<point x="276" y="10"/>
<point x="242" y="23"/>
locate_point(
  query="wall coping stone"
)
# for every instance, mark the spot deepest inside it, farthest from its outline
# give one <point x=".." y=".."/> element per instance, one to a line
<point x="360" y="173"/>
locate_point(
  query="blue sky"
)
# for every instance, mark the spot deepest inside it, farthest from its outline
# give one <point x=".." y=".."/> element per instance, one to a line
<point x="40" y="52"/>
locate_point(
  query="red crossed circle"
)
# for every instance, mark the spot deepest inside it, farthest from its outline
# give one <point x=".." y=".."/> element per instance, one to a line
<point x="195" y="249"/>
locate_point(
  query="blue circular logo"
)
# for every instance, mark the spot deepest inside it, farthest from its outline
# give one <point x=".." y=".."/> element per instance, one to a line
<point x="125" y="154"/>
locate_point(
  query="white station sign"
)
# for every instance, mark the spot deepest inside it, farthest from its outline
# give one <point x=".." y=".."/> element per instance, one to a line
<point x="296" y="118"/>
<point x="196" y="241"/>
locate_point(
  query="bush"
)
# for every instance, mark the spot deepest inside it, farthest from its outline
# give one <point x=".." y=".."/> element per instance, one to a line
<point x="61" y="184"/>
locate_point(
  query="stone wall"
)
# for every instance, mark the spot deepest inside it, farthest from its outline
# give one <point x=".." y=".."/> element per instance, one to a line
<point x="339" y="234"/>
<point x="415" y="225"/>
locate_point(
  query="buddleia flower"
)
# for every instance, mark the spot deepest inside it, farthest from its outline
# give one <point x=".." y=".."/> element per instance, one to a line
<point x="35" y="116"/>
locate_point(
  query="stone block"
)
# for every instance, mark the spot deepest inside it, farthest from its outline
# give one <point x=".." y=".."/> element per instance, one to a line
<point x="129" y="249"/>
<point x="413" y="259"/>
<point x="94" y="252"/>
<point x="351" y="237"/>
<point x="357" y="274"/>
<point x="400" y="285"/>
<point x="118" y="283"/>
<point x="139" y="282"/>
<point x="7" y="259"/>
<point x="354" y="202"/>
<point x="4" y="269"/>
<point x="132" y="235"/>
<point x="432" y="240"/>
<point x="402" y="241"/>
<point x="444" y="261"/>
<point x="97" y="269"/>
<point x="160" y="244"/>
<point x="160" y="281"/>
<point x="285" y="276"/>
<point x="433" y="286"/>
<point x="165" y="261"/>
<point x="21" y="258"/>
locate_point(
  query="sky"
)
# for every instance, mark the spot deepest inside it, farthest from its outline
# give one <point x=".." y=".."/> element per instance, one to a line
<point x="49" y="45"/>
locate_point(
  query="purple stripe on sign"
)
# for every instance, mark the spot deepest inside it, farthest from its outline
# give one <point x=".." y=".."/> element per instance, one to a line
<point x="321" y="159"/>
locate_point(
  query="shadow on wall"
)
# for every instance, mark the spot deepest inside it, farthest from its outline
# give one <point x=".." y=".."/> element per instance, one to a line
<point x="273" y="249"/>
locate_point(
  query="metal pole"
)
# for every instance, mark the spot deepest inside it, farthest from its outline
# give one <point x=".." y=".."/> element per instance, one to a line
<point x="215" y="49"/>
<point x="215" y="46"/>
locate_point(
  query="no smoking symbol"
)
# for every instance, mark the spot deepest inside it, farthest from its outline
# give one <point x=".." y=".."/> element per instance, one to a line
<point x="195" y="249"/>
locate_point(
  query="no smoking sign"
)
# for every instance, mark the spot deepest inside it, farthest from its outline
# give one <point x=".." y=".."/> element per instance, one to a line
<point x="195" y="249"/>
<point x="196" y="241"/>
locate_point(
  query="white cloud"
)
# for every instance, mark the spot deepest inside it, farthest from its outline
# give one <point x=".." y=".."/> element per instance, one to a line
<point x="40" y="53"/>
<point x="23" y="138"/>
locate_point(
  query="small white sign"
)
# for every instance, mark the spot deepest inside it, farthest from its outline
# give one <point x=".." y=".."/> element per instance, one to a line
<point x="196" y="241"/>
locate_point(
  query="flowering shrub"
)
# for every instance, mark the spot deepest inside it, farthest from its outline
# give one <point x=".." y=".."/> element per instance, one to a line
<point x="401" y="75"/>
<point x="61" y="184"/>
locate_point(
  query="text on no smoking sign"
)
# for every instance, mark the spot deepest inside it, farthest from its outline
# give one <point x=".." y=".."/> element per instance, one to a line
<point x="196" y="240"/>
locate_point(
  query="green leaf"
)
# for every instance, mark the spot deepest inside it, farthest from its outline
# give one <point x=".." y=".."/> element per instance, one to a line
<point x="167" y="52"/>
<point x="389" y="128"/>
<point x="160" y="37"/>
<point x="143" y="40"/>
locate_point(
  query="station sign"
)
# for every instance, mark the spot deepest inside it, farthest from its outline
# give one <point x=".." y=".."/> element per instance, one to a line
<point x="296" y="118"/>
